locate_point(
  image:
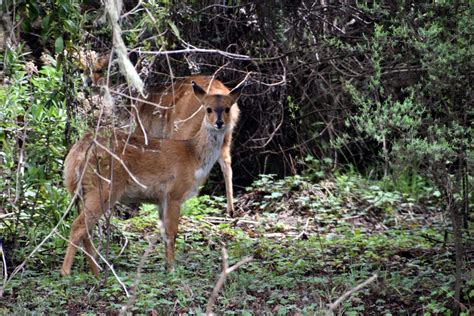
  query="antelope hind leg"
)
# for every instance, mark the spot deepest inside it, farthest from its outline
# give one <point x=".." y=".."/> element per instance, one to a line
<point x="80" y="228"/>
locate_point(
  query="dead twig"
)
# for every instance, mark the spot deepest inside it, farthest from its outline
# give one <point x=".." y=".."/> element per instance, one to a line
<point x="121" y="162"/>
<point x="304" y="230"/>
<point x="141" y="100"/>
<point x="2" y="216"/>
<point x="91" y="256"/>
<point x="113" y="9"/>
<point x="226" y="270"/>
<point x="133" y="290"/>
<point x="346" y="295"/>
<point x="109" y="265"/>
<point x="198" y="50"/>
<point x="4" y="270"/>
<point x="54" y="231"/>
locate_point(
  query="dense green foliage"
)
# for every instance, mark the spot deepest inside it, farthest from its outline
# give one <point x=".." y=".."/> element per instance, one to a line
<point x="377" y="96"/>
<point x="33" y="115"/>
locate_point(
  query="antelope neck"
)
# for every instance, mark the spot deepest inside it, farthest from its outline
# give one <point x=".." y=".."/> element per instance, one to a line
<point x="207" y="143"/>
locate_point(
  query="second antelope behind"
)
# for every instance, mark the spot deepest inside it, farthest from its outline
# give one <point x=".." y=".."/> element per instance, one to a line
<point x="114" y="167"/>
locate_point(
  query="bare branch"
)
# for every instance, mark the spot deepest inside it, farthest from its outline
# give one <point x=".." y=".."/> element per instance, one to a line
<point x="121" y="162"/>
<point x="223" y="276"/>
<point x="4" y="270"/>
<point x="80" y="249"/>
<point x="140" y="100"/>
<point x="344" y="296"/>
<point x="51" y="233"/>
<point x="151" y="245"/>
<point x="6" y="215"/>
<point x="304" y="230"/>
<point x="223" y="6"/>
<point x="198" y="50"/>
<point x="124" y="287"/>
<point x="113" y="9"/>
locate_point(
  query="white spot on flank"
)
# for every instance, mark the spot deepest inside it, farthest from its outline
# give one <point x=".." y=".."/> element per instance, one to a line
<point x="78" y="173"/>
<point x="198" y="174"/>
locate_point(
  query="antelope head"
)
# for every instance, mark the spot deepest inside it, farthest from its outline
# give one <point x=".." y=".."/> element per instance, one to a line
<point x="217" y="107"/>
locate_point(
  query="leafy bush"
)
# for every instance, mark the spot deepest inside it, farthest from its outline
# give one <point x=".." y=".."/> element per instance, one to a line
<point x="33" y="121"/>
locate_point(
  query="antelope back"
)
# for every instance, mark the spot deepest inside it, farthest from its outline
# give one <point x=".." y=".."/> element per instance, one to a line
<point x="74" y="165"/>
<point x="182" y="117"/>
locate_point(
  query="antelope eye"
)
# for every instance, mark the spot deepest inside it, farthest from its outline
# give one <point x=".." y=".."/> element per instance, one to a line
<point x="227" y="110"/>
<point x="209" y="110"/>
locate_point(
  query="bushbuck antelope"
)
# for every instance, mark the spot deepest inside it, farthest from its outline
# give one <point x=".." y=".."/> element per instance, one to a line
<point x="177" y="114"/>
<point x="181" y="119"/>
<point x="120" y="167"/>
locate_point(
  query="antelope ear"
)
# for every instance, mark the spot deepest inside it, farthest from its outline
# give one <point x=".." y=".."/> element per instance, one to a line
<point x="235" y="93"/>
<point x="198" y="91"/>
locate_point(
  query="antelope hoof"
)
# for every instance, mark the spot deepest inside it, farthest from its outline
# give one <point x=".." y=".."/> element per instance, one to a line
<point x="231" y="211"/>
<point x="169" y="267"/>
<point x="96" y="272"/>
<point x="65" y="272"/>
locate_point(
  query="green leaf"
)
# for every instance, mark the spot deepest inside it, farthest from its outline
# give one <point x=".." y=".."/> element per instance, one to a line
<point x="59" y="45"/>
<point x="72" y="26"/>
<point x="174" y="29"/>
<point x="276" y="195"/>
<point x="46" y="22"/>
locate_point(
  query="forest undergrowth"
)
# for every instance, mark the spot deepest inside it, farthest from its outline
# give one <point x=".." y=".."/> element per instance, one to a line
<point x="364" y="91"/>
<point x="311" y="239"/>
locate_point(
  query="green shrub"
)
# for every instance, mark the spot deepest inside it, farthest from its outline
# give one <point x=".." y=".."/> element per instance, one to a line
<point x="32" y="126"/>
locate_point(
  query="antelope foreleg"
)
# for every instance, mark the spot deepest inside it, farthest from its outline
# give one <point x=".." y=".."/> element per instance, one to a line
<point x="225" y="161"/>
<point x="171" y="219"/>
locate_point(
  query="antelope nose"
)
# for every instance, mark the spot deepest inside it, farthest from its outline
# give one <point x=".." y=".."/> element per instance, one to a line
<point x="219" y="124"/>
